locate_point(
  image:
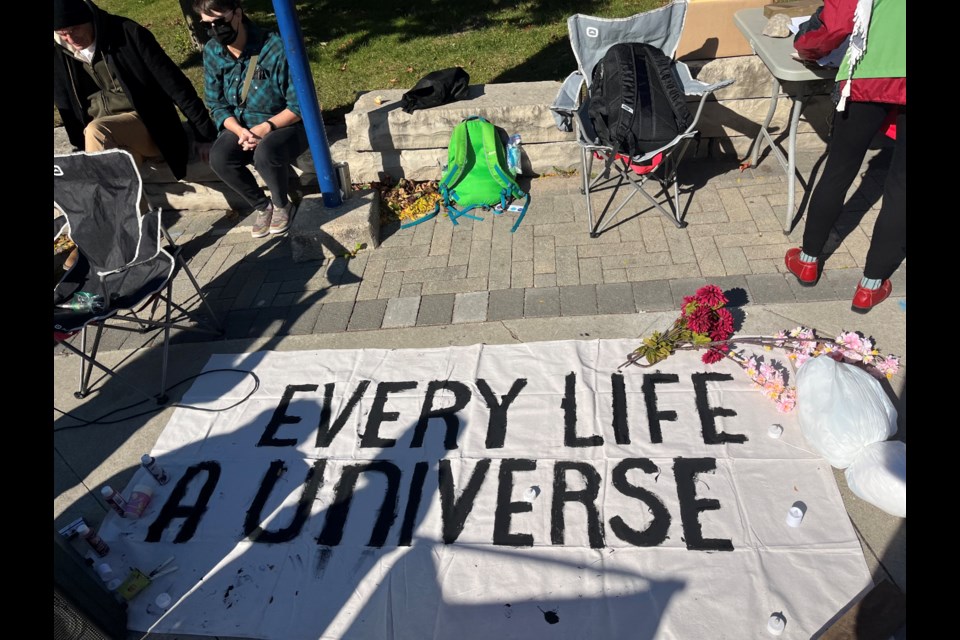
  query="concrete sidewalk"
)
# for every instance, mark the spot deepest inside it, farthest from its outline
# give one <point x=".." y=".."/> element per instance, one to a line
<point x="436" y="285"/>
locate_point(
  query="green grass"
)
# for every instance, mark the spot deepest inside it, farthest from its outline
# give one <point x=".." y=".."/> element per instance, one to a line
<point x="367" y="45"/>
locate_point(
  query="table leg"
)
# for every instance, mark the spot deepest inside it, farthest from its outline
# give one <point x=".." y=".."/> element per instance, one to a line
<point x="796" y="109"/>
<point x="774" y="98"/>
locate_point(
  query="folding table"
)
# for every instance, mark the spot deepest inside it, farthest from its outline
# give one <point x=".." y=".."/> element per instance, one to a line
<point x="796" y="80"/>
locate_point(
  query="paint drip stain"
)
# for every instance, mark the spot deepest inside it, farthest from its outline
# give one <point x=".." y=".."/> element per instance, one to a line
<point x="363" y="560"/>
<point x="226" y="594"/>
<point x="323" y="558"/>
<point x="508" y="612"/>
<point x="550" y="616"/>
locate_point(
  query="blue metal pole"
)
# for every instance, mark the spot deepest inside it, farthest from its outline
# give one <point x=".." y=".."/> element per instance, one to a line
<point x="307" y="96"/>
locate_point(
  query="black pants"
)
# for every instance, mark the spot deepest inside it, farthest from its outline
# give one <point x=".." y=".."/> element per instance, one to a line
<point x="272" y="159"/>
<point x="853" y="130"/>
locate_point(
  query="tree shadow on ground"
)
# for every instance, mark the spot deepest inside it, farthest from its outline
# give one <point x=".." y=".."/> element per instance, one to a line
<point x="356" y="28"/>
<point x="326" y="20"/>
<point x="138" y="373"/>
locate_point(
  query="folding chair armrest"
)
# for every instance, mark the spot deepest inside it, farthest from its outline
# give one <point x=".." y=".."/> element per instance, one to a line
<point x="567" y="101"/>
<point x="693" y="87"/>
<point x="696" y="88"/>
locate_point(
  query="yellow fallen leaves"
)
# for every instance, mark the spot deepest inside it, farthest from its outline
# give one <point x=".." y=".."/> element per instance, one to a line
<point x="422" y="206"/>
<point x="63" y="243"/>
<point x="406" y="199"/>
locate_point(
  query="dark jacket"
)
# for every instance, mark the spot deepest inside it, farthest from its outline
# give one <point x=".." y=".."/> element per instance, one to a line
<point x="154" y="83"/>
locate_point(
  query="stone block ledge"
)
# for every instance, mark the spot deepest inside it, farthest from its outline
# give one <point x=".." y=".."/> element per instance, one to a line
<point x="516" y="107"/>
<point x="380" y="141"/>
<point x="317" y="232"/>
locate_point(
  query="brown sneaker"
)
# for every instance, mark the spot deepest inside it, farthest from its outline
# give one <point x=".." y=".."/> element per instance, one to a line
<point x="261" y="226"/>
<point x="281" y="219"/>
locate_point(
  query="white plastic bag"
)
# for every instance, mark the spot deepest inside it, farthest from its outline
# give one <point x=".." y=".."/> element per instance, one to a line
<point x="879" y="476"/>
<point x="842" y="409"/>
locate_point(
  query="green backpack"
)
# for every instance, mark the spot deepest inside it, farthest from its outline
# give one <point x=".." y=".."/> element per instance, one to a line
<point x="476" y="175"/>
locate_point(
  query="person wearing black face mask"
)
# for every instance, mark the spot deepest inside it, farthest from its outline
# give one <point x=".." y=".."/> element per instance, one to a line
<point x="223" y="31"/>
<point x="250" y="94"/>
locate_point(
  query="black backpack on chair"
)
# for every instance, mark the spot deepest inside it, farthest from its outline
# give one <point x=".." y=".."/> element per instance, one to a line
<point x="636" y="105"/>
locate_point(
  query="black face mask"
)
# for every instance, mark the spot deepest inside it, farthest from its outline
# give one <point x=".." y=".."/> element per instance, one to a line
<point x="224" y="33"/>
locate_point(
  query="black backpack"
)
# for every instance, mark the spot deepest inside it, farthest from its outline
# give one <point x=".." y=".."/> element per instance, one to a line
<point x="436" y="88"/>
<point x="635" y="103"/>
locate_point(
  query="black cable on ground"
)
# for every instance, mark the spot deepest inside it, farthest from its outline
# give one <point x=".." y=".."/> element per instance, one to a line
<point x="101" y="419"/>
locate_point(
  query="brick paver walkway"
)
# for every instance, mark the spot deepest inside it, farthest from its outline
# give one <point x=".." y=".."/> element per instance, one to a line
<point x="437" y="273"/>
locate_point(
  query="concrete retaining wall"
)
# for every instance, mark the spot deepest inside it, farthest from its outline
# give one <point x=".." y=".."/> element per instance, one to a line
<point x="383" y="140"/>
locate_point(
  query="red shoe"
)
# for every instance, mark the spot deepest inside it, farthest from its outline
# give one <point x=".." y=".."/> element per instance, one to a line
<point x="866" y="299"/>
<point x="808" y="273"/>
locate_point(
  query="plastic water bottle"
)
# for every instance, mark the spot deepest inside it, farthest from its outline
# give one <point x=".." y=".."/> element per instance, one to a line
<point x="513" y="154"/>
<point x="84" y="301"/>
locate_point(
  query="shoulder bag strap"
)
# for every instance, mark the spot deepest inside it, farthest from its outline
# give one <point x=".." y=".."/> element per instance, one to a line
<point x="246" y="83"/>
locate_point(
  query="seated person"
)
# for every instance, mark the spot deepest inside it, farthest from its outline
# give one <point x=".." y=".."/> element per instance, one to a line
<point x="249" y="92"/>
<point x="115" y="87"/>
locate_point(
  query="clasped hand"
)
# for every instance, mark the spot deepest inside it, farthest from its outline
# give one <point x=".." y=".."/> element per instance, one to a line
<point x="250" y="138"/>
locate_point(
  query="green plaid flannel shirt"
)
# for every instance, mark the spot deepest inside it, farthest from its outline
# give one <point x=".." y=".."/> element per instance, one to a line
<point x="223" y="78"/>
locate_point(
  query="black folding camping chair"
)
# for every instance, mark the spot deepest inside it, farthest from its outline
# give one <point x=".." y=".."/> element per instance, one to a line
<point x="590" y="38"/>
<point x="124" y="276"/>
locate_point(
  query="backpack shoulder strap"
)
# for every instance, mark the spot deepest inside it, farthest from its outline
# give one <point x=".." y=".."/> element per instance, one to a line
<point x="627" y="62"/>
<point x="492" y="152"/>
<point x="666" y="79"/>
<point x="456" y="157"/>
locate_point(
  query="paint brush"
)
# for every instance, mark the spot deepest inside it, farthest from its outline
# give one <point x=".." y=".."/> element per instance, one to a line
<point x="154" y="576"/>
<point x="156" y="572"/>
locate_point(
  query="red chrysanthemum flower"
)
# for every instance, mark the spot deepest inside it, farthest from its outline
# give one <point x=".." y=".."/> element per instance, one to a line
<point x="711" y="295"/>
<point x="724" y="322"/>
<point x="718" y="334"/>
<point x="700" y="320"/>
<point x="712" y="356"/>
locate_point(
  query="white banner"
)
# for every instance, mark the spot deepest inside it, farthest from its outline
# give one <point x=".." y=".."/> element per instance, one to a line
<point x="519" y="491"/>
